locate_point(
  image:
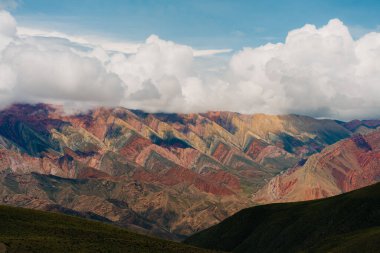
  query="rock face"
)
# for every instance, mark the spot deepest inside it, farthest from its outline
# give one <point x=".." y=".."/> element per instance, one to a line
<point x="345" y="166"/>
<point x="166" y="174"/>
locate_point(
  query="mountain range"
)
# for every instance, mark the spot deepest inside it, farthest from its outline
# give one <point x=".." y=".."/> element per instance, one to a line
<point x="171" y="175"/>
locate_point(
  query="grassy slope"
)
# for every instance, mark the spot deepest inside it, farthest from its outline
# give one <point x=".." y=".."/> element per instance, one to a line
<point x="23" y="230"/>
<point x="345" y="223"/>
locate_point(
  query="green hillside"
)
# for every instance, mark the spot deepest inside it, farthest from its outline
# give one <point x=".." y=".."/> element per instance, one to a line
<point x="346" y="223"/>
<point x="24" y="230"/>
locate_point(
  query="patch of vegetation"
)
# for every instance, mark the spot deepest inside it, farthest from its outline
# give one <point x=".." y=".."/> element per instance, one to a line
<point x="330" y="137"/>
<point x="23" y="230"/>
<point x="277" y="164"/>
<point x="290" y="142"/>
<point x="346" y="223"/>
<point x="121" y="115"/>
<point x="114" y="131"/>
<point x="170" y="118"/>
<point x="169" y="140"/>
<point x="361" y="143"/>
<point x="226" y="124"/>
<point x="140" y="114"/>
<point x="85" y="153"/>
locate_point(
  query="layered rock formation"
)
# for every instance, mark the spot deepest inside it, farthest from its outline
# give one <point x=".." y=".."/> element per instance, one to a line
<point x="345" y="166"/>
<point x="166" y="174"/>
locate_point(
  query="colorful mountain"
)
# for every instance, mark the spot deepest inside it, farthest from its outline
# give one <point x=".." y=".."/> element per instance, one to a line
<point x="345" y="166"/>
<point x="166" y="174"/>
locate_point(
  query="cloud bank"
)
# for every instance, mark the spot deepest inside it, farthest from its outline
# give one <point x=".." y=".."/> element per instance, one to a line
<point x="321" y="72"/>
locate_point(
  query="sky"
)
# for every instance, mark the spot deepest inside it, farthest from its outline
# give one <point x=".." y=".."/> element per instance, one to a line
<point x="318" y="58"/>
<point x="199" y="23"/>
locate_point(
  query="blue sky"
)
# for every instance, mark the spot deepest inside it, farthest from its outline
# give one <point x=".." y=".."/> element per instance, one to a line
<point x="199" y="23"/>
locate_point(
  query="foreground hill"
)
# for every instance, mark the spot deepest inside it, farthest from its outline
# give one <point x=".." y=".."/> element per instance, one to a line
<point x="166" y="174"/>
<point x="346" y="223"/>
<point x="23" y="230"/>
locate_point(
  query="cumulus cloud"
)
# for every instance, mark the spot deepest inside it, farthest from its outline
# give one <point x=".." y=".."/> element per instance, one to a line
<point x="321" y="72"/>
<point x="7" y="28"/>
<point x="49" y="74"/>
<point x="86" y="41"/>
<point x="47" y="71"/>
<point x="110" y="45"/>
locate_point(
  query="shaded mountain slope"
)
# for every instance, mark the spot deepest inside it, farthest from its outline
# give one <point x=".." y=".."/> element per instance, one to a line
<point x="346" y="223"/>
<point x="23" y="230"/>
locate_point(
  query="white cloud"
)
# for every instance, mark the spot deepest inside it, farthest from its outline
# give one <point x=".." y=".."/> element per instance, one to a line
<point x="321" y="72"/>
<point x="45" y="74"/>
<point x="7" y="24"/>
<point x="116" y="46"/>
<point x="88" y="41"/>
<point x="33" y="70"/>
<point x="7" y="28"/>
<point x="210" y="52"/>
